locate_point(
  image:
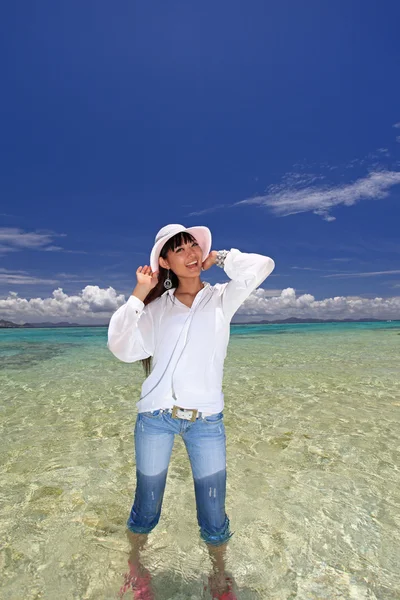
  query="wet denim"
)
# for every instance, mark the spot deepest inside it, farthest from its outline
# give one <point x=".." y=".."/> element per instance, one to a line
<point x="205" y="442"/>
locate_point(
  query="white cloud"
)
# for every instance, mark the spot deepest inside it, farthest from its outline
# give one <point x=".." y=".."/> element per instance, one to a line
<point x="397" y="125"/>
<point x="96" y="305"/>
<point x="325" y="215"/>
<point x="14" y="239"/>
<point x="341" y="259"/>
<point x="22" y="278"/>
<point x="297" y="196"/>
<point x="300" y="191"/>
<point x="208" y="210"/>
<point x="367" y="274"/>
<point x="307" y="269"/>
<point x="19" y="277"/>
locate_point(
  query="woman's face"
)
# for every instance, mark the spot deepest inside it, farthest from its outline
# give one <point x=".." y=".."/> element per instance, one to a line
<point x="177" y="260"/>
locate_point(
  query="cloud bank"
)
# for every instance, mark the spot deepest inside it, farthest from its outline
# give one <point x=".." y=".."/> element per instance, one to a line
<point x="92" y="305"/>
<point x="305" y="306"/>
<point x="96" y="305"/>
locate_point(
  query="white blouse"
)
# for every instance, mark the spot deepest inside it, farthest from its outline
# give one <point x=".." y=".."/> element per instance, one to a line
<point x="188" y="345"/>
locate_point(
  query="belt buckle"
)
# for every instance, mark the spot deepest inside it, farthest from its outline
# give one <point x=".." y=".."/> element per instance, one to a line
<point x="190" y="414"/>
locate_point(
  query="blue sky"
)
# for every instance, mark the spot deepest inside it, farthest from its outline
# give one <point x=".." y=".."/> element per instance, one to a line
<point x="277" y="125"/>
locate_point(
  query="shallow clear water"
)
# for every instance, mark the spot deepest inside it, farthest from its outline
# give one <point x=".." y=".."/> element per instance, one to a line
<point x="312" y="420"/>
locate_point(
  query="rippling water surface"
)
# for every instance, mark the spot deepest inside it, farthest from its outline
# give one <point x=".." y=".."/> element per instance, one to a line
<point x="312" y="418"/>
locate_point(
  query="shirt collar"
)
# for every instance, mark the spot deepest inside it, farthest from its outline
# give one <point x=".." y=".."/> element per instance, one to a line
<point x="171" y="290"/>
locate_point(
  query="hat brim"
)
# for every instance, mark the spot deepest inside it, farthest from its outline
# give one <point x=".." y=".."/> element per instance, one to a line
<point x="200" y="232"/>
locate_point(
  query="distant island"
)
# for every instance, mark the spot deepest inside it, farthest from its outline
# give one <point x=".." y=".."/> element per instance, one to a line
<point x="297" y="320"/>
<point x="291" y="320"/>
<point x="10" y="325"/>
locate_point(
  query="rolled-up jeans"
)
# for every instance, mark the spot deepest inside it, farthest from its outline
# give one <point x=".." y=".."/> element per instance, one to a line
<point x="205" y="442"/>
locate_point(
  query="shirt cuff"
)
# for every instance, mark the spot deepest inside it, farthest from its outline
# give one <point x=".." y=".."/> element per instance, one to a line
<point x="136" y="303"/>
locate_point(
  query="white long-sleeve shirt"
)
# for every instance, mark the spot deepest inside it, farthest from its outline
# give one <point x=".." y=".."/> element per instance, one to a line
<point x="188" y="345"/>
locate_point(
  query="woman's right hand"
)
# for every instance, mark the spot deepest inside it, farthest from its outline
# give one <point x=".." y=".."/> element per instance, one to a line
<point x="146" y="278"/>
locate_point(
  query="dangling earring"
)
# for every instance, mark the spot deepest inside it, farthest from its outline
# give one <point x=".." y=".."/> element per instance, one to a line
<point x="168" y="282"/>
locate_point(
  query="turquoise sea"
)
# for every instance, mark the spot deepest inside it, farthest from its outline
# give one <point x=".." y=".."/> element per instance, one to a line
<point x="312" y="415"/>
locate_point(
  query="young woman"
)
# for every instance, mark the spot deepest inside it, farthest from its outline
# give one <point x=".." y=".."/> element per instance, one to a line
<point x="179" y="327"/>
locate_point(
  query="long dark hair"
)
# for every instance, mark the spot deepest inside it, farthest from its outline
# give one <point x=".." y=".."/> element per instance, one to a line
<point x="183" y="237"/>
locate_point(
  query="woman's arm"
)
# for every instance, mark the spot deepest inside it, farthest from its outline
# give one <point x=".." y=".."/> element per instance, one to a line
<point x="247" y="271"/>
<point x="131" y="331"/>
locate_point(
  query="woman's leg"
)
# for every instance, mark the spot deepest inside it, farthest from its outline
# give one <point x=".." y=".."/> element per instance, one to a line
<point x="205" y="442"/>
<point x="137" y="542"/>
<point x="154" y="441"/>
<point x="137" y="579"/>
<point x="153" y="447"/>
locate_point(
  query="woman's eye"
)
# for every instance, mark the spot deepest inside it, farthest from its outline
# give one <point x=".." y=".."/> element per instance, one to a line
<point x="194" y="244"/>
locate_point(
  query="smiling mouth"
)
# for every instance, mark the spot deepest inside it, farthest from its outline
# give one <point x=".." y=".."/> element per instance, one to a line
<point x="192" y="266"/>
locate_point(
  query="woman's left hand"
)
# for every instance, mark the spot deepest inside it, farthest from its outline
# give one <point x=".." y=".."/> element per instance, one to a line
<point x="210" y="260"/>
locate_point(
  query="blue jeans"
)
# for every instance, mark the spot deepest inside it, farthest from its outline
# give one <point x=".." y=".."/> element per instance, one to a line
<point x="205" y="443"/>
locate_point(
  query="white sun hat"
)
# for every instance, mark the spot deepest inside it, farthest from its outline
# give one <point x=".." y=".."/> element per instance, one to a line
<point x="200" y="232"/>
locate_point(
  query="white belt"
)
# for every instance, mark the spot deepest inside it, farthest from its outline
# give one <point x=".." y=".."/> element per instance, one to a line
<point x="190" y="414"/>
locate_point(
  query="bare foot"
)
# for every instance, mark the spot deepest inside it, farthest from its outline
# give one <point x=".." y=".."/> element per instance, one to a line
<point x="221" y="586"/>
<point x="138" y="580"/>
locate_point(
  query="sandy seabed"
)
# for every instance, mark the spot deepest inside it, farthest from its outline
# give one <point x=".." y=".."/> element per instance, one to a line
<point x="313" y="452"/>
